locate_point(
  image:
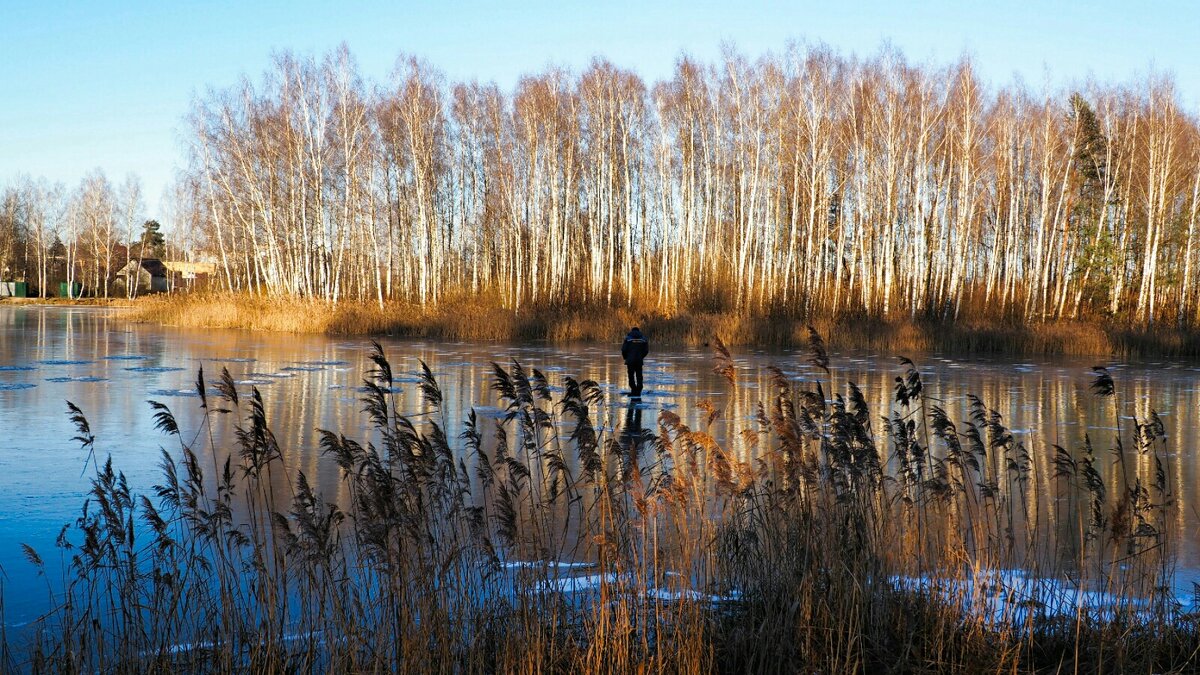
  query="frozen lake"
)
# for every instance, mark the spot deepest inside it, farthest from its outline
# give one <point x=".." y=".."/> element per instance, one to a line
<point x="110" y="368"/>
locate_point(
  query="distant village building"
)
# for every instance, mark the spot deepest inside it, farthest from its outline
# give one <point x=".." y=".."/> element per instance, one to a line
<point x="190" y="270"/>
<point x="150" y="275"/>
<point x="187" y="274"/>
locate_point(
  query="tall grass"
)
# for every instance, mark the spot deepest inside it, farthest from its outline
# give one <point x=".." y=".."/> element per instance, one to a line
<point x="561" y="536"/>
<point x="482" y="317"/>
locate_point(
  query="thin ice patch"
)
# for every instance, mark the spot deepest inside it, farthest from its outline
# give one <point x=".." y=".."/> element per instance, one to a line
<point x="578" y="584"/>
<point x="661" y="394"/>
<point x="689" y="595"/>
<point x="186" y="393"/>
<point x="546" y="564"/>
<point x="1009" y="597"/>
<point x="590" y="582"/>
<point x="85" y="378"/>
<point x="204" y="645"/>
<point x="364" y="389"/>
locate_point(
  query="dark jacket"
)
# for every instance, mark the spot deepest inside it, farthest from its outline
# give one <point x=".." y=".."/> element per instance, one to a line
<point x="635" y="348"/>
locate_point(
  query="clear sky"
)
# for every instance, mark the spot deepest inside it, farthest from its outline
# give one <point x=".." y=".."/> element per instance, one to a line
<point x="87" y="84"/>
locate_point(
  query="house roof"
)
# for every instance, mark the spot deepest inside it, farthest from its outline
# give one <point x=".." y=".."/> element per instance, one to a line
<point x="155" y="267"/>
<point x="152" y="265"/>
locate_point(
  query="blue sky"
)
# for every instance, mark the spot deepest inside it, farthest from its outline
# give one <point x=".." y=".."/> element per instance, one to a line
<point x="107" y="84"/>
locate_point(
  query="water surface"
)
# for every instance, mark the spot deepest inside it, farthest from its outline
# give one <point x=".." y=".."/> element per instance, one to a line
<point x="110" y="368"/>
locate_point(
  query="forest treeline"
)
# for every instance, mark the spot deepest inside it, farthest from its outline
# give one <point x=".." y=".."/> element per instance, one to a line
<point x="808" y="182"/>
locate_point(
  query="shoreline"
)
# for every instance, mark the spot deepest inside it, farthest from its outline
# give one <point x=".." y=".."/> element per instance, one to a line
<point x="477" y="319"/>
<point x="106" y="303"/>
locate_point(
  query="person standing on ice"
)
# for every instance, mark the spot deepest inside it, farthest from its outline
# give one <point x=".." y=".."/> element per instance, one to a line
<point x="634" y="351"/>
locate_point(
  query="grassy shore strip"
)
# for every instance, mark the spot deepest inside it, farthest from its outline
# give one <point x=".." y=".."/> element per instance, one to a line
<point x="477" y="318"/>
<point x="70" y="302"/>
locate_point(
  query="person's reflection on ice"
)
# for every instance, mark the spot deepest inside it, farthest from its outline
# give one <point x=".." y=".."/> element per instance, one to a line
<point x="632" y="433"/>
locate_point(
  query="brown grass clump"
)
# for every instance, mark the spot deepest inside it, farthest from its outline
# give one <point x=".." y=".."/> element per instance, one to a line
<point x="254" y="312"/>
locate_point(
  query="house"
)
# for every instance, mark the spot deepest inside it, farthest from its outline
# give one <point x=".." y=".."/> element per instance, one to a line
<point x="151" y="275"/>
<point x="189" y="274"/>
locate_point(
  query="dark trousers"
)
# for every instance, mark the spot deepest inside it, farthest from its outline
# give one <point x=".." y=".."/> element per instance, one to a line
<point x="635" y="377"/>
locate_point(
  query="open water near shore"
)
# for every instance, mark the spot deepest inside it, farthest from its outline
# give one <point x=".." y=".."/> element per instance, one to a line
<point x="110" y="368"/>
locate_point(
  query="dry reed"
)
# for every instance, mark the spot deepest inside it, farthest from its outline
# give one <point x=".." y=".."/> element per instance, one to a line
<point x="467" y="317"/>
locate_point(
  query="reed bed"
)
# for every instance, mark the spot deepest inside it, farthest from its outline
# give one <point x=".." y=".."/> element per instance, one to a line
<point x="468" y="316"/>
<point x="560" y="536"/>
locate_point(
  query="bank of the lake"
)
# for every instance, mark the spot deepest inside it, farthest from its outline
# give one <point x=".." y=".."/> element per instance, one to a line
<point x="70" y="302"/>
<point x="484" y="318"/>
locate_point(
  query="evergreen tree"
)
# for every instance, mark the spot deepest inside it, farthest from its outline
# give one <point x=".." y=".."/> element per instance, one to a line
<point x="1097" y="251"/>
<point x="1091" y="149"/>
<point x="152" y="240"/>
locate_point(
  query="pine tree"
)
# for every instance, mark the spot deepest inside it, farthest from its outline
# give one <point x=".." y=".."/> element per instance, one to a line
<point x="152" y="242"/>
